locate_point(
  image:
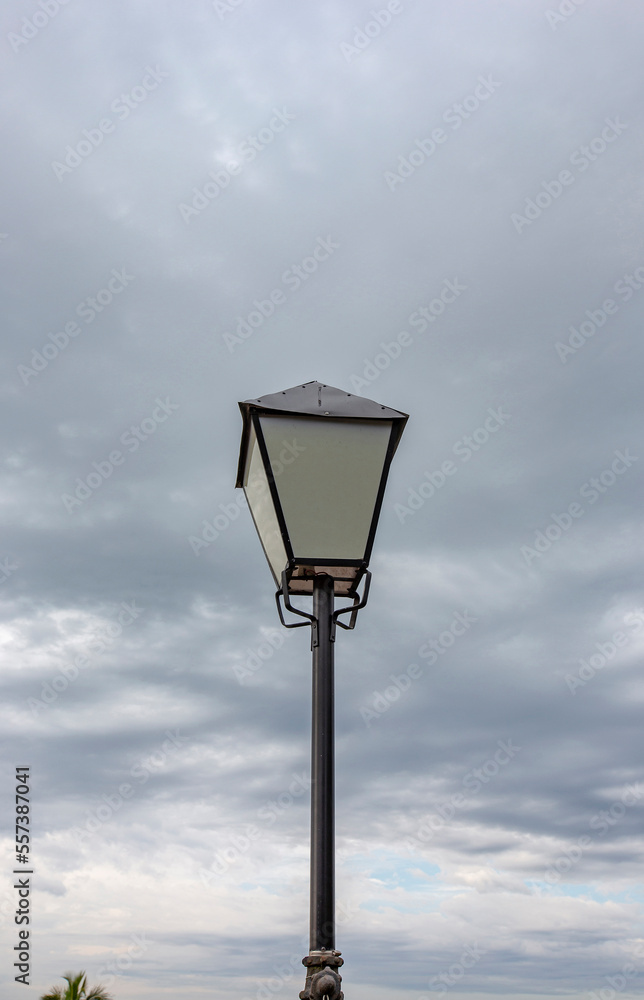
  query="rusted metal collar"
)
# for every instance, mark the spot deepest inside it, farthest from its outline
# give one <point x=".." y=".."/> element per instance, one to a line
<point x="323" y="981"/>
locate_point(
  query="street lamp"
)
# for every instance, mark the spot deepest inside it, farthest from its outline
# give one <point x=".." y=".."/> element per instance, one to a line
<point x="313" y="463"/>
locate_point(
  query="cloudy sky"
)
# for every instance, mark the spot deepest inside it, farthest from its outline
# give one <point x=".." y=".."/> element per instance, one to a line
<point x="436" y="205"/>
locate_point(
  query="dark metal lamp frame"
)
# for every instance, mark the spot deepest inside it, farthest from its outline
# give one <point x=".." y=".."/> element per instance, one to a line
<point x="318" y="401"/>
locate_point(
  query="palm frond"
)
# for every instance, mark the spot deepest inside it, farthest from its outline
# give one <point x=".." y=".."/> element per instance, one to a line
<point x="77" y="989"/>
<point x="77" y="983"/>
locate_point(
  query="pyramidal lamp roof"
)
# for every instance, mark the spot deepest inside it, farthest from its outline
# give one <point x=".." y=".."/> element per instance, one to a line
<point x="318" y="400"/>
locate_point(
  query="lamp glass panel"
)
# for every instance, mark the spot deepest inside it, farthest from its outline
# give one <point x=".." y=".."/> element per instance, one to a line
<point x="327" y="473"/>
<point x="260" y="502"/>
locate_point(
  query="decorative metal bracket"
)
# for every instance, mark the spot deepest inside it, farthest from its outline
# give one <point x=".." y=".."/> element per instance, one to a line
<point x="352" y="609"/>
<point x="323" y="979"/>
<point x="287" y="604"/>
<point x="358" y="603"/>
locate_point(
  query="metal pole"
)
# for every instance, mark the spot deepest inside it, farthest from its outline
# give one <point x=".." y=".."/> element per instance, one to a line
<point x="323" y="961"/>
<point x="322" y="921"/>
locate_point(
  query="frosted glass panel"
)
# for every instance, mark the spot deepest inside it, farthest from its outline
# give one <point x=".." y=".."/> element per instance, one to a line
<point x="261" y="507"/>
<point x="327" y="474"/>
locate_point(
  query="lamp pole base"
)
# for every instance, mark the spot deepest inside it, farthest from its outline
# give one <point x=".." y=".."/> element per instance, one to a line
<point x="322" y="976"/>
